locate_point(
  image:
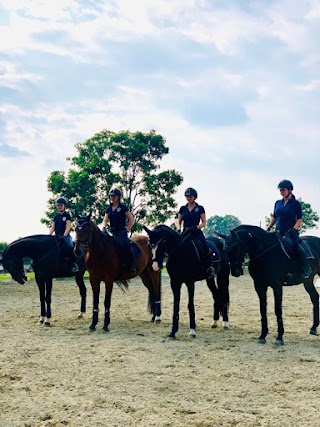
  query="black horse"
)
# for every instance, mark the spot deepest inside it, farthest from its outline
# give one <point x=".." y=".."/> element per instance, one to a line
<point x="47" y="263"/>
<point x="270" y="265"/>
<point x="184" y="266"/>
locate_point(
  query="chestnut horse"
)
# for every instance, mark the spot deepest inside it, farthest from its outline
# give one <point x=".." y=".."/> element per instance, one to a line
<point x="103" y="264"/>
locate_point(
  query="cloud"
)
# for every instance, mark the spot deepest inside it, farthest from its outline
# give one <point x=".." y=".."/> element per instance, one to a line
<point x="9" y="151"/>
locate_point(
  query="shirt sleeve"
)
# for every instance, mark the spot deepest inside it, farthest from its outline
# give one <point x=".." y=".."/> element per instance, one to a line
<point x="201" y="210"/>
<point x="107" y="210"/>
<point x="298" y="210"/>
<point x="125" y="208"/>
<point x="68" y="216"/>
<point x="181" y="210"/>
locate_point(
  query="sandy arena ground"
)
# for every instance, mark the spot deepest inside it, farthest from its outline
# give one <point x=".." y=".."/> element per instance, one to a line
<point x="135" y="376"/>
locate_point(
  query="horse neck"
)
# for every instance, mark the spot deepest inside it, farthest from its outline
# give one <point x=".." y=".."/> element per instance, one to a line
<point x="172" y="239"/>
<point x="30" y="247"/>
<point x="256" y="240"/>
<point x="98" y="242"/>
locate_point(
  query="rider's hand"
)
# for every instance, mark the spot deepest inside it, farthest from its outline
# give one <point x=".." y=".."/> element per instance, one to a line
<point x="104" y="230"/>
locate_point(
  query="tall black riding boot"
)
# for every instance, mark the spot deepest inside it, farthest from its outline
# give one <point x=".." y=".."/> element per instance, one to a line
<point x="304" y="262"/>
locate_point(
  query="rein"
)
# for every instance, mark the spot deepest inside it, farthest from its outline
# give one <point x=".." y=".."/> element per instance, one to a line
<point x="257" y="256"/>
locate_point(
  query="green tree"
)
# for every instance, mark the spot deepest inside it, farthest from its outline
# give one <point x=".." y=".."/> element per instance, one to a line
<point x="130" y="161"/>
<point x="221" y="224"/>
<point x="3" y="245"/>
<point x="310" y="217"/>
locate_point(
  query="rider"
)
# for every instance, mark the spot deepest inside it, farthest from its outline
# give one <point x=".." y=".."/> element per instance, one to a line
<point x="287" y="216"/>
<point x="121" y="222"/>
<point x="61" y="226"/>
<point x="193" y="216"/>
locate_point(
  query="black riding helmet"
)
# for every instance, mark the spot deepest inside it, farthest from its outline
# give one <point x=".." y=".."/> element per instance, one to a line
<point x="191" y="192"/>
<point x="62" y="200"/>
<point x="115" y="192"/>
<point x="285" y="183"/>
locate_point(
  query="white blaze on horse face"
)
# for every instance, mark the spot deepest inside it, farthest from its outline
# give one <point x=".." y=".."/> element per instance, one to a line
<point x="155" y="266"/>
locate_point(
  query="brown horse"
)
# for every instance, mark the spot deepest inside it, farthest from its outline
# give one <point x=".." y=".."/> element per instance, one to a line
<point x="103" y="264"/>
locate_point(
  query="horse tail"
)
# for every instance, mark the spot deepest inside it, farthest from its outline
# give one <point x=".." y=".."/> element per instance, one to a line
<point x="151" y="298"/>
<point x="123" y="285"/>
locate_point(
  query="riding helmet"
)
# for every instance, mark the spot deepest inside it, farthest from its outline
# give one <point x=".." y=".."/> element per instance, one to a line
<point x="191" y="192"/>
<point x="62" y="200"/>
<point x="115" y="192"/>
<point x="285" y="183"/>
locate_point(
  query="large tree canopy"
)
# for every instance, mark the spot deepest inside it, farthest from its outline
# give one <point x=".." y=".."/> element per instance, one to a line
<point x="129" y="161"/>
<point x="221" y="224"/>
<point x="309" y="217"/>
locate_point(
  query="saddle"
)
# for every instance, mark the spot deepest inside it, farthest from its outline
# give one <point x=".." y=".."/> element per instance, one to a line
<point x="213" y="258"/>
<point x="288" y="247"/>
<point x="135" y="250"/>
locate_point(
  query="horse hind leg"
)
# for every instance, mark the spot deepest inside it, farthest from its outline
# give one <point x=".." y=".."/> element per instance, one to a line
<point x="152" y="281"/>
<point x="47" y="320"/>
<point x="192" y="315"/>
<point x="278" y="312"/>
<point x="176" y="289"/>
<point x="83" y="293"/>
<point x="107" y="305"/>
<point x="314" y="297"/>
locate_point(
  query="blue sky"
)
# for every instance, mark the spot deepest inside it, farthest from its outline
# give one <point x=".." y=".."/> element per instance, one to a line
<point x="232" y="85"/>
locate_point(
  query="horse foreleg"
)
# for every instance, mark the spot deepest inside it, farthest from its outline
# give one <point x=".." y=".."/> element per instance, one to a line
<point x="83" y="294"/>
<point x="277" y="292"/>
<point x="152" y="281"/>
<point x="176" y="289"/>
<point x="262" y="294"/>
<point x="107" y="304"/>
<point x="95" y="284"/>
<point x="48" y="302"/>
<point x="192" y="314"/>
<point x="314" y="296"/>
<point x="42" y="296"/>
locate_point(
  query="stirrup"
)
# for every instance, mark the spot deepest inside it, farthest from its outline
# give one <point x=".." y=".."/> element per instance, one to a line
<point x="74" y="268"/>
<point x="211" y="273"/>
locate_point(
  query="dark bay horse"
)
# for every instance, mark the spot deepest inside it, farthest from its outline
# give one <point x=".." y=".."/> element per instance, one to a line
<point x="184" y="266"/>
<point x="103" y="264"/>
<point x="47" y="263"/>
<point x="269" y="265"/>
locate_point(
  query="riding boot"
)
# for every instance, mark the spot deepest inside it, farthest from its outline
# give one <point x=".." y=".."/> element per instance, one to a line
<point x="304" y="262"/>
<point x="131" y="263"/>
<point x="207" y="262"/>
<point x="73" y="265"/>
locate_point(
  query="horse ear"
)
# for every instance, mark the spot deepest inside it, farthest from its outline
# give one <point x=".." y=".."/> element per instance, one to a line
<point x="223" y="236"/>
<point x="146" y="229"/>
<point x="89" y="216"/>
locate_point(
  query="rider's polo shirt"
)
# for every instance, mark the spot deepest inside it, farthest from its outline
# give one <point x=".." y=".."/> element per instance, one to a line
<point x="191" y="218"/>
<point x="286" y="215"/>
<point x="60" y="221"/>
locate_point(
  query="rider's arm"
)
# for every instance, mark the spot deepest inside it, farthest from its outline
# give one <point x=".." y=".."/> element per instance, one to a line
<point x="179" y="221"/>
<point x="203" y="222"/>
<point x="105" y="221"/>
<point x="271" y="223"/>
<point x="297" y="224"/>
<point x="130" y="222"/>
<point x="68" y="227"/>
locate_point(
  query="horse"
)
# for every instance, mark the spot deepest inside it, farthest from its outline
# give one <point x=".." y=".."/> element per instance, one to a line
<point x="184" y="266"/>
<point x="270" y="265"/>
<point x="47" y="263"/>
<point x="103" y="264"/>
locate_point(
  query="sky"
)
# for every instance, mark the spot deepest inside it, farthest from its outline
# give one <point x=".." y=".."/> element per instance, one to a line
<point x="233" y="86"/>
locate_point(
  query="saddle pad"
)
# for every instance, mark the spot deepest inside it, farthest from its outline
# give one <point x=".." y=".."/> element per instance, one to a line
<point x="136" y="252"/>
<point x="305" y="247"/>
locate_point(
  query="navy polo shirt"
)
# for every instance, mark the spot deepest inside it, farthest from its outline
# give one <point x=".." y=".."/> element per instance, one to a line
<point x="117" y="217"/>
<point x="60" y="221"/>
<point x="286" y="215"/>
<point x="191" y="218"/>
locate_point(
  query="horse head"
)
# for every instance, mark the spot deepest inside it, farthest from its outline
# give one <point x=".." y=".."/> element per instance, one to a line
<point x="162" y="240"/>
<point x="15" y="267"/>
<point x="83" y="230"/>
<point x="236" y="252"/>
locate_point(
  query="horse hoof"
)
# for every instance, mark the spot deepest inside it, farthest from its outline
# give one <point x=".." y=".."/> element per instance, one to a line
<point x="314" y="332"/>
<point x="226" y="327"/>
<point x="192" y="334"/>
<point x="92" y="328"/>
<point x="172" y="336"/>
<point x="214" y="325"/>
<point x="278" y="343"/>
<point x="41" y="322"/>
<point x="105" y="329"/>
<point x="261" y="341"/>
<point x="157" y="321"/>
<point x="80" y="315"/>
<point x="46" y="324"/>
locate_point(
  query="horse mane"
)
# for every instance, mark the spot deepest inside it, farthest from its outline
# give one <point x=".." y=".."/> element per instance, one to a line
<point x="254" y="229"/>
<point x="22" y="239"/>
